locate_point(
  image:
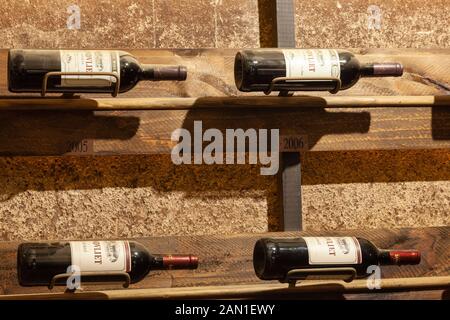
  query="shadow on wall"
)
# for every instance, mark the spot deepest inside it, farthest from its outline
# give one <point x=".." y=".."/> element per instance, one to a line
<point x="440" y="119"/>
<point x="47" y="132"/>
<point x="54" y="132"/>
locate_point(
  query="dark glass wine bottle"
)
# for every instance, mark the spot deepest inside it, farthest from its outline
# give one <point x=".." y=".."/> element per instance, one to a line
<point x="274" y="258"/>
<point x="27" y="68"/>
<point x="38" y="263"/>
<point x="254" y="70"/>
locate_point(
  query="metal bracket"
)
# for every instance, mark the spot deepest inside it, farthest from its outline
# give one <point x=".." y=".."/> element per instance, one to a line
<point x="347" y="274"/>
<point x="290" y="175"/>
<point x="289" y="190"/>
<point x="124" y="275"/>
<point x="337" y="83"/>
<point x="114" y="93"/>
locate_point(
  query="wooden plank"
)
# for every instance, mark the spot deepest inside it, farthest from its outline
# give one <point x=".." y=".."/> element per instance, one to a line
<point x="400" y="288"/>
<point x="54" y="133"/>
<point x="220" y="104"/>
<point x="138" y="295"/>
<point x="227" y="260"/>
<point x="210" y="73"/>
<point x="125" y="132"/>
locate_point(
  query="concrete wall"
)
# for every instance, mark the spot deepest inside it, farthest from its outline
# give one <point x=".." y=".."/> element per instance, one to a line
<point x="373" y="23"/>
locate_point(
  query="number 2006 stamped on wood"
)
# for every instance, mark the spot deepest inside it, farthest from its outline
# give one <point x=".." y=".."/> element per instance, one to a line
<point x="293" y="143"/>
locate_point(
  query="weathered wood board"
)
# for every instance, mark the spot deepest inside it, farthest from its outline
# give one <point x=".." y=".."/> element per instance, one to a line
<point x="210" y="73"/>
<point x="422" y="288"/>
<point x="53" y="133"/>
<point x="227" y="260"/>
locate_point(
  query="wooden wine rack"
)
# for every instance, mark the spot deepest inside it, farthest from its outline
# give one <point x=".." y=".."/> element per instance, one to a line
<point x="226" y="261"/>
<point x="135" y="124"/>
<point x="38" y="132"/>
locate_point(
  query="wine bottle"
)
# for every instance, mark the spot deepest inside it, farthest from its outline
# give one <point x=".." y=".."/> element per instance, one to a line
<point x="38" y="263"/>
<point x="27" y="68"/>
<point x="274" y="258"/>
<point x="254" y="70"/>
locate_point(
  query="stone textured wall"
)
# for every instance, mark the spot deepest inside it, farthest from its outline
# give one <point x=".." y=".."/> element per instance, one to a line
<point x="373" y="23"/>
<point x="135" y="24"/>
<point x="129" y="196"/>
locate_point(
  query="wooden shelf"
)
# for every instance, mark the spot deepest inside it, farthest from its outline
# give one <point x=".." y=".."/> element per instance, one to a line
<point x="227" y="261"/>
<point x="429" y="288"/>
<point x="55" y="133"/>
<point x="106" y="132"/>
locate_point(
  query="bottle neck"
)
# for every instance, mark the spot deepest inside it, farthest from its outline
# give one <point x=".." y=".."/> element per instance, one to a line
<point x="147" y="73"/>
<point x="174" y="261"/>
<point x="381" y="70"/>
<point x="162" y="73"/>
<point x="398" y="257"/>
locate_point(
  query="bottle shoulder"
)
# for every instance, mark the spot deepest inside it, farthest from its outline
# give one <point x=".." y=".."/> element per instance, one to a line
<point x="138" y="248"/>
<point x="140" y="261"/>
<point x="368" y="248"/>
<point x="130" y="72"/>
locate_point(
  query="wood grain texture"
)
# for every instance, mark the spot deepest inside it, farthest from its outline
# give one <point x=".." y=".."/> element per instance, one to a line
<point x="227" y="260"/>
<point x="219" y="103"/>
<point x="210" y="74"/>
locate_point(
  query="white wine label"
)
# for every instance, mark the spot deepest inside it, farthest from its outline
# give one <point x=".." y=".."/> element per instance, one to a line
<point x="93" y="256"/>
<point x="312" y="63"/>
<point x="89" y="61"/>
<point x="333" y="250"/>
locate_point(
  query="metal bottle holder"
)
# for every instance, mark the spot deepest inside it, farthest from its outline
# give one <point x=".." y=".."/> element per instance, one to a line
<point x="347" y="274"/>
<point x="124" y="275"/>
<point x="285" y="92"/>
<point x="114" y="92"/>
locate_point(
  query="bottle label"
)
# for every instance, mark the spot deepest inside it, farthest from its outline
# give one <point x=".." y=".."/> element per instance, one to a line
<point x="93" y="256"/>
<point x="333" y="250"/>
<point x="312" y="63"/>
<point x="89" y="61"/>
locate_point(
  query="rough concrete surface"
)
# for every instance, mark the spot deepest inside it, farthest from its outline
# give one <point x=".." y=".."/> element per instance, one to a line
<point x="130" y="196"/>
<point x="355" y="23"/>
<point x="376" y="205"/>
<point x="129" y="24"/>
